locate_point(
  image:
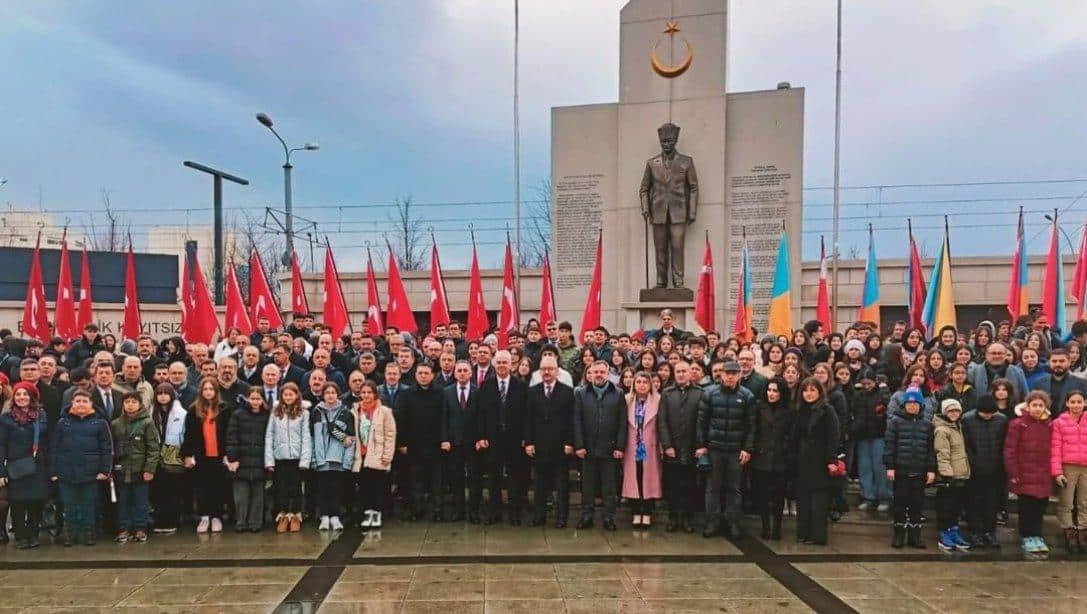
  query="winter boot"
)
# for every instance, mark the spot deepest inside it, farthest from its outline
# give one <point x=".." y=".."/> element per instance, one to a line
<point x="913" y="536"/>
<point x="960" y="542"/>
<point x="899" y="538"/>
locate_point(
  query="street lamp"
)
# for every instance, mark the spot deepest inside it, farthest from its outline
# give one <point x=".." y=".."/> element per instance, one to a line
<point x="1071" y="246"/>
<point x="287" y="209"/>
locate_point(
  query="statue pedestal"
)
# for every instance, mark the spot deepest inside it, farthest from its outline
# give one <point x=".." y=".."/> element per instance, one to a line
<point x="666" y="295"/>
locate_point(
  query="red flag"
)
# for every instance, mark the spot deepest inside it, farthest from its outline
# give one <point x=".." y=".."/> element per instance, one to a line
<point x="132" y="326"/>
<point x="35" y="318"/>
<point x="591" y="318"/>
<point x="236" y="314"/>
<point x="1079" y="288"/>
<point x="915" y="285"/>
<point x="822" y="301"/>
<point x="547" y="296"/>
<point x="199" y="322"/>
<point x="741" y="324"/>
<point x="399" y="312"/>
<point x="477" y="311"/>
<point x="64" y="320"/>
<point x="373" y="301"/>
<point x="509" y="318"/>
<point x="705" y="297"/>
<point x="439" y="306"/>
<point x="335" y="314"/>
<point x="299" y="304"/>
<point x="86" y="311"/>
<point x="1053" y="280"/>
<point x="261" y="301"/>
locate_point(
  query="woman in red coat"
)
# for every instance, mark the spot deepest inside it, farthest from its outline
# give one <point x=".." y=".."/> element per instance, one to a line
<point x="641" y="463"/>
<point x="1027" y="463"/>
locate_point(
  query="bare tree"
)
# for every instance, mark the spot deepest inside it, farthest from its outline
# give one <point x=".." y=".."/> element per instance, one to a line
<point x="250" y="234"/>
<point x="536" y="237"/>
<point x="106" y="235"/>
<point x="408" y="239"/>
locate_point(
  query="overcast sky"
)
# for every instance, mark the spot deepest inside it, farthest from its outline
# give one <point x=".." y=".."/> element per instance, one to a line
<point x="414" y="98"/>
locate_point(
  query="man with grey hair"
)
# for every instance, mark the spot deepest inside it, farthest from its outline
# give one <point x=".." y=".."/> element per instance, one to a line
<point x="459" y="408"/>
<point x="600" y="439"/>
<point x="269" y="379"/>
<point x="549" y="440"/>
<point x="501" y="415"/>
<point x="232" y="391"/>
<point x="130" y="379"/>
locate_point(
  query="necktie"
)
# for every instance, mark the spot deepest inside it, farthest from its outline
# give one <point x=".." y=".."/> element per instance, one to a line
<point x="107" y="399"/>
<point x="271" y="398"/>
<point x="502" y="391"/>
<point x="547" y="391"/>
<point x="482" y="375"/>
<point x="463" y="398"/>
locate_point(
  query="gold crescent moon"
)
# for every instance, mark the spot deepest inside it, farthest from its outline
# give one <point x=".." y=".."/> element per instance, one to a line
<point x="671" y="72"/>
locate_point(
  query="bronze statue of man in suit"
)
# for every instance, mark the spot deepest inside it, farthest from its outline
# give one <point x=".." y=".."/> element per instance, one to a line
<point x="669" y="197"/>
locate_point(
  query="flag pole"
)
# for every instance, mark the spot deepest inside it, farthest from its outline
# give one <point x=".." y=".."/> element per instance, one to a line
<point x="837" y="163"/>
<point x="516" y="140"/>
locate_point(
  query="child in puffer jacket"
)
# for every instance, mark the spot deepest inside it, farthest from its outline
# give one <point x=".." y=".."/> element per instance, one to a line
<point x="288" y="449"/>
<point x="952" y="471"/>
<point x="82" y="452"/>
<point x="1027" y="463"/>
<point x="910" y="466"/>
<point x="1068" y="466"/>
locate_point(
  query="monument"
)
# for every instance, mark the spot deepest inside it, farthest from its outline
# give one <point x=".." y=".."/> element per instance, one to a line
<point x="749" y="152"/>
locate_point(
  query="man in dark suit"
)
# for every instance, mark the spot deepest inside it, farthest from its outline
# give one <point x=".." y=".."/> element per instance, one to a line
<point x="549" y="441"/>
<point x="500" y="417"/>
<point x="482" y="369"/>
<point x="249" y="371"/>
<point x="667" y="327"/>
<point x="288" y="371"/>
<point x="459" y="442"/>
<point x="420" y="408"/>
<point x="676" y="431"/>
<point x="145" y="351"/>
<point x="445" y="376"/>
<point x="106" y="398"/>
<point x="389" y="391"/>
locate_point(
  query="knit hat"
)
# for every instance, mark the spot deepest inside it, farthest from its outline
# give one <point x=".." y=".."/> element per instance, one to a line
<point x="950" y="405"/>
<point x="855" y="344"/>
<point x="866" y="372"/>
<point x="4" y="381"/>
<point x="30" y="389"/>
<point x="913" y="395"/>
<point x="986" y="404"/>
<point x="796" y="351"/>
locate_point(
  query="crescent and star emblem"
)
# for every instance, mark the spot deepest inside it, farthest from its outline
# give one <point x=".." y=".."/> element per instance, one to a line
<point x="671" y="72"/>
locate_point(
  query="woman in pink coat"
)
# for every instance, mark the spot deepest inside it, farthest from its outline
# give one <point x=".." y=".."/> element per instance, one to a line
<point x="1068" y="466"/>
<point x="641" y="463"/>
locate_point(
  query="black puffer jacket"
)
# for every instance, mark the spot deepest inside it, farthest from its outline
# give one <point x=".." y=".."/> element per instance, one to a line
<point x="907" y="444"/>
<point x="985" y="442"/>
<point x="968" y="397"/>
<point x="839" y="400"/>
<point x="245" y="443"/>
<point x="600" y="424"/>
<point x="773" y="427"/>
<point x="726" y="419"/>
<point x="869" y="410"/>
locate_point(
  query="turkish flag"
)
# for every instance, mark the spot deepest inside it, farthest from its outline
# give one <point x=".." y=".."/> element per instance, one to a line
<point x="509" y="318"/>
<point x="335" y="314"/>
<point x="399" y="312"/>
<point x="236" y="314"/>
<point x="299" y="304"/>
<point x="64" y="320"/>
<point x="35" y="318"/>
<point x="132" y="326"/>
<point x="477" y="311"/>
<point x="199" y="322"/>
<point x="439" y="306"/>
<point x="86" y="311"/>
<point x="1079" y="281"/>
<point x="822" y="300"/>
<point x="705" y="297"/>
<point x="261" y="301"/>
<point x="373" y="301"/>
<point x="547" y="296"/>
<point x="591" y="318"/>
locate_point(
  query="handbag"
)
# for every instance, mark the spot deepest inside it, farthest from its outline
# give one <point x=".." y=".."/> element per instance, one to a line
<point x="171" y="458"/>
<point x="838" y="470"/>
<point x="28" y="465"/>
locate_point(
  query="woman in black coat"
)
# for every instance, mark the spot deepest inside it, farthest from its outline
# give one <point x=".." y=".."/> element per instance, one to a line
<point x="774" y="423"/>
<point x="23" y="443"/>
<point x="813" y="448"/>
<point x="203" y="450"/>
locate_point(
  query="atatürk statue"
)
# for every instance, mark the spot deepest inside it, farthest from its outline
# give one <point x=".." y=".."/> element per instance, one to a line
<point x="669" y="197"/>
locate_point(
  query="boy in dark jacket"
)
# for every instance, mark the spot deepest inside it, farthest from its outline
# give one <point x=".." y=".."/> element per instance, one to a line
<point x="245" y="461"/>
<point x="869" y="408"/>
<point x="911" y="465"/>
<point x="984" y="430"/>
<point x="81" y="452"/>
<point x="136" y="457"/>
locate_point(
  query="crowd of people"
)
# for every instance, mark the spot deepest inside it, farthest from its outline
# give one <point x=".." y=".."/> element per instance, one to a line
<point x="147" y="435"/>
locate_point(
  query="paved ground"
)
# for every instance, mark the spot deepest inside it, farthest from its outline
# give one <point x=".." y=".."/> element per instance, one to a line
<point x="452" y="568"/>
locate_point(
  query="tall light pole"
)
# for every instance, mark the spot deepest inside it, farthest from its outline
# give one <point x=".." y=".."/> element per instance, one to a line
<point x="837" y="151"/>
<point x="287" y="205"/>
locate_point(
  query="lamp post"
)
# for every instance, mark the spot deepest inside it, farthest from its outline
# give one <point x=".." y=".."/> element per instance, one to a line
<point x="287" y="205"/>
<point x="1071" y="246"/>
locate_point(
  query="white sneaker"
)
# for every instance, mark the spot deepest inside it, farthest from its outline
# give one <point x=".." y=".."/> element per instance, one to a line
<point x="202" y="527"/>
<point x="336" y="524"/>
<point x="324" y="524"/>
<point x="376" y="524"/>
<point x="216" y="525"/>
<point x="368" y="519"/>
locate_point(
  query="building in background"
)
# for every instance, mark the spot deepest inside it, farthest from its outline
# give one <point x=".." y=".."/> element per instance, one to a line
<point x="19" y="228"/>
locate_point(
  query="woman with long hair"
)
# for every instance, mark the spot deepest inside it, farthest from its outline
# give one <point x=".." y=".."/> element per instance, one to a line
<point x="665" y="372"/>
<point x="376" y="428"/>
<point x="334" y="439"/>
<point x="641" y="463"/>
<point x="169" y="483"/>
<point x="772" y="360"/>
<point x="814" y="449"/>
<point x="774" y="423"/>
<point x="288" y="449"/>
<point x="935" y="371"/>
<point x="647" y="361"/>
<point x="203" y="449"/>
<point x="24" y="440"/>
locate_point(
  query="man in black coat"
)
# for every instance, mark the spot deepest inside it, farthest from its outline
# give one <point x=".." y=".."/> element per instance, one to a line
<point x="726" y="431"/>
<point x="549" y="441"/>
<point x="288" y="371"/>
<point x="420" y="411"/>
<point x="984" y="430"/>
<point x="600" y="438"/>
<point x="501" y="433"/>
<point x="676" y="431"/>
<point x="390" y="390"/>
<point x="84" y="347"/>
<point x="459" y="439"/>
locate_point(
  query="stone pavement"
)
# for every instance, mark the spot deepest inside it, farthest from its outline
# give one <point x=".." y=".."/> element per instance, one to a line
<point x="451" y="568"/>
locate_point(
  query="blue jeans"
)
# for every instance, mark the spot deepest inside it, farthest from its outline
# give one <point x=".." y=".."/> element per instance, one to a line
<point x="132" y="504"/>
<point x="78" y="501"/>
<point x="873" y="475"/>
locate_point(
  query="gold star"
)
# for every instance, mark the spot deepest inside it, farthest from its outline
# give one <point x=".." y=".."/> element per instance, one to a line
<point x="671" y="28"/>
